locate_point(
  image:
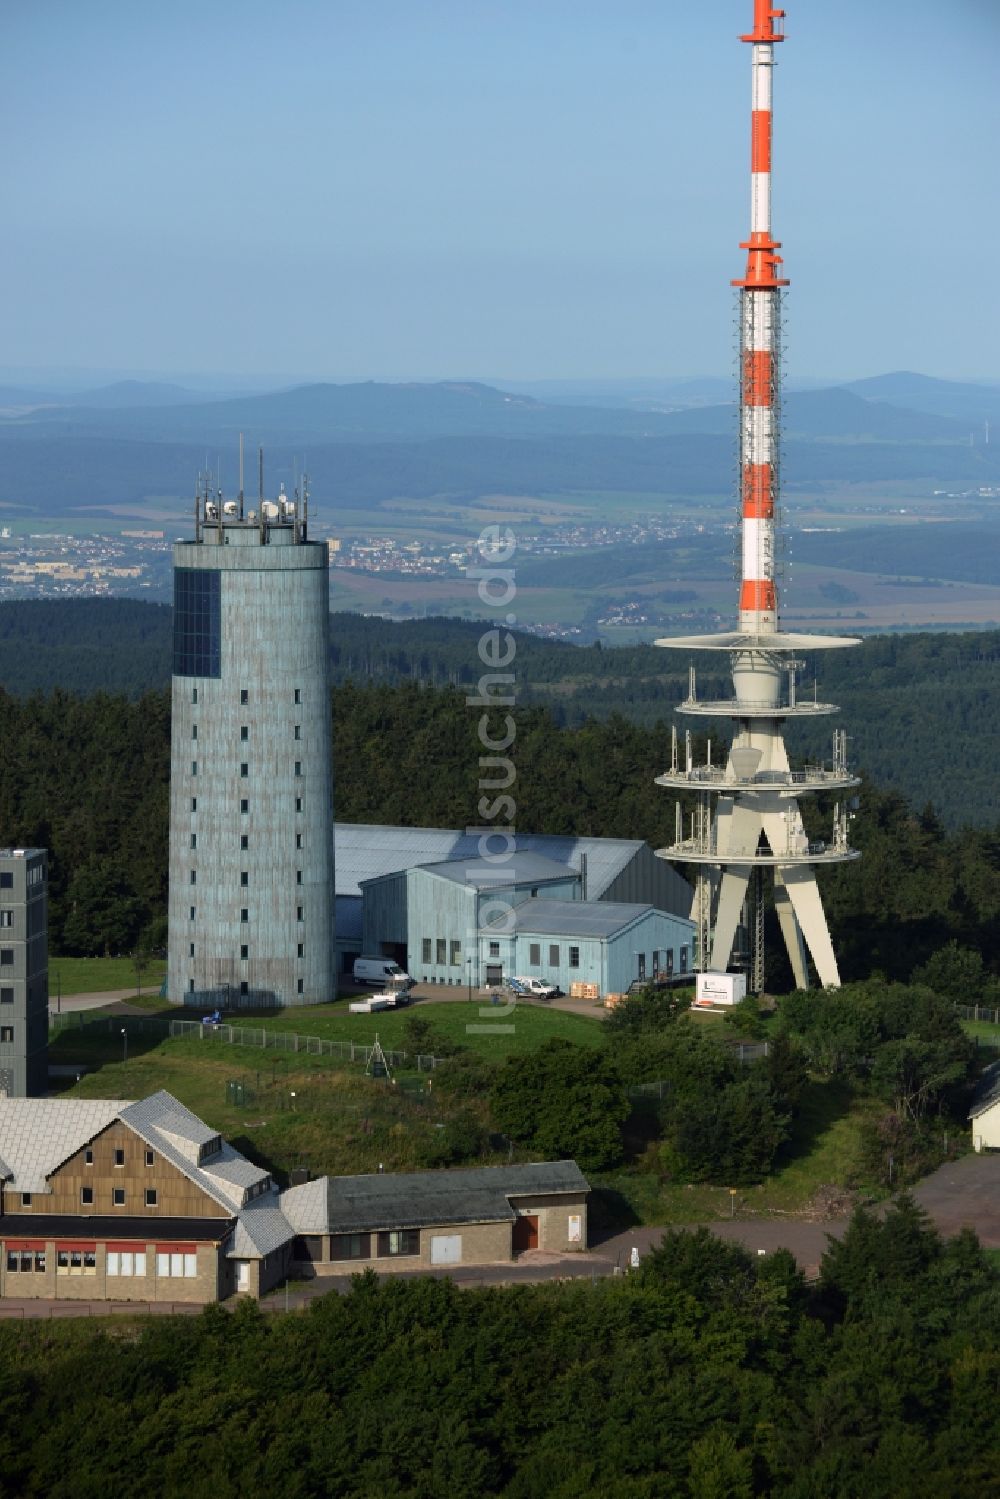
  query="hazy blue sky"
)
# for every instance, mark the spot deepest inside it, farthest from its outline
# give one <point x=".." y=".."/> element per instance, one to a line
<point x="519" y="188"/>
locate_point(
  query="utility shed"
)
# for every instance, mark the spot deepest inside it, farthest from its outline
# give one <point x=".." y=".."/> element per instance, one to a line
<point x="607" y="943"/>
<point x="985" y="1110"/>
<point x="468" y="1216"/>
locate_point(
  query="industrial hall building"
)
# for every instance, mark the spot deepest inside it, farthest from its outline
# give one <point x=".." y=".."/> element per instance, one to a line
<point x="601" y="911"/>
<point x="107" y="1200"/>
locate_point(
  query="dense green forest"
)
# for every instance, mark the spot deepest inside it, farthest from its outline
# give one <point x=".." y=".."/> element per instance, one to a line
<point x="87" y="777"/>
<point x="912" y="704"/>
<point x="706" y="1374"/>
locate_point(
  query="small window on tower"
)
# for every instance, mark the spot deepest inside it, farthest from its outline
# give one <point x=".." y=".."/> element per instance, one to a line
<point x="244" y="953"/>
<point x="194" y="731"/>
<point x="244" y="695"/>
<point x="244" y="841"/>
<point x="298" y="731"/>
<point x="194" y="877"/>
<point x="244" y="878"/>
<point x="298" y="986"/>
<point x="298" y="877"/>
<point x="194" y="840"/>
<point x="245" y="913"/>
<point x="244" y="732"/>
<point x="194" y="804"/>
<point x="194" y="694"/>
<point x="298" y="913"/>
<point x="298" y="840"/>
<point x="244" y="806"/>
<point x="298" y="694"/>
<point x="298" y="804"/>
<point x="190" y="949"/>
<point x="298" y="767"/>
<point x="302" y="949"/>
<point x="190" y="913"/>
<point x="194" y="767"/>
<point x="244" y="770"/>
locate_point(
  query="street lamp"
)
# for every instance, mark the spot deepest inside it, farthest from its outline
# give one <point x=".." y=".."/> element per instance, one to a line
<point x="468" y="965"/>
<point x="124" y="1044"/>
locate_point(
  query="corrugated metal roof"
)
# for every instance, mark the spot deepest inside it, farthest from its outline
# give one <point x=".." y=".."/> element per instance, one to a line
<point x="987" y="1091"/>
<point x="520" y="869"/>
<point x="365" y="850"/>
<point x="358" y="1204"/>
<point x="573" y="918"/>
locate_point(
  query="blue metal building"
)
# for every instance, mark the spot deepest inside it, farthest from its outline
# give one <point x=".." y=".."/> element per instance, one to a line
<point x="608" y="943"/>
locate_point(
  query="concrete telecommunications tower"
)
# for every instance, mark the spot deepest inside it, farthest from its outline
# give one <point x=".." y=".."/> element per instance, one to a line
<point x="747" y="817"/>
<point x="251" y="821"/>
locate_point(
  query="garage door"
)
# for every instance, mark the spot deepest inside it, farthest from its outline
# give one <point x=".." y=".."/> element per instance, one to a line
<point x="446" y="1249"/>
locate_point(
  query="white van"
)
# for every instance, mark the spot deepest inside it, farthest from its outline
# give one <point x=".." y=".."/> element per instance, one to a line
<point x="382" y="972"/>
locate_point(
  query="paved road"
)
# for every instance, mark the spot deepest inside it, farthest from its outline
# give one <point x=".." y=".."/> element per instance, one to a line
<point x="68" y="1003"/>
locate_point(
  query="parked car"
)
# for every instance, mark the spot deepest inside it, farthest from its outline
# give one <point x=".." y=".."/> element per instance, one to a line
<point x="532" y="988"/>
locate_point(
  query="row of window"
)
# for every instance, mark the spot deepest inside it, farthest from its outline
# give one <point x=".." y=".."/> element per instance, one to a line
<point x="244" y="810"/>
<point x="245" y="695"/>
<point x="245" y="775"/>
<point x="244" y="843"/>
<point x="245" y="910"/>
<point x="245" y="732"/>
<point x="535" y="955"/>
<point x="245" y="951"/>
<point x="359" y="1246"/>
<point x="118" y="1197"/>
<point x="245" y="986"/>
<point x="442" y="951"/>
<point x="117" y="1262"/>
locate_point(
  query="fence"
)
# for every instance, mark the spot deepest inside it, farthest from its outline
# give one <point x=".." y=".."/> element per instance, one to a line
<point x="256" y="1037"/>
<point x="979" y="1012"/>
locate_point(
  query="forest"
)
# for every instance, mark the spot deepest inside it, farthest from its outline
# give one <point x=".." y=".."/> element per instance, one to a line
<point x="910" y="703"/>
<point x="707" y="1373"/>
<point x="87" y="778"/>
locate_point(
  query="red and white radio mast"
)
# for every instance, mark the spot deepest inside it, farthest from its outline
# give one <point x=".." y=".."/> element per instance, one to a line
<point x="746" y="816"/>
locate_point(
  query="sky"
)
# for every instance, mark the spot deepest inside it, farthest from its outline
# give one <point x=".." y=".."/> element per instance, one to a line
<point x="519" y="189"/>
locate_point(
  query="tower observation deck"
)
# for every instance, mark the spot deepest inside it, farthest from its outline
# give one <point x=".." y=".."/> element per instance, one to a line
<point x="746" y="816"/>
<point x="251" y="816"/>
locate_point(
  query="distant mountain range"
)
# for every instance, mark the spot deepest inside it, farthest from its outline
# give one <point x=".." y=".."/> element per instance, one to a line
<point x="368" y="442"/>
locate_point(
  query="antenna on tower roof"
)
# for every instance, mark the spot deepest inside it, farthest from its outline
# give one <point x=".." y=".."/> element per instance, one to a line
<point x="241" y="476"/>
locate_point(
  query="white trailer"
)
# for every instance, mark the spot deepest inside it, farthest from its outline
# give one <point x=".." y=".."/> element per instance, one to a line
<point x="720" y="988"/>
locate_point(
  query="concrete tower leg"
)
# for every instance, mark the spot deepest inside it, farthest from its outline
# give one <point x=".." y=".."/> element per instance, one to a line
<point x="732" y="893"/>
<point x="803" y="893"/>
<point x="791" y="931"/>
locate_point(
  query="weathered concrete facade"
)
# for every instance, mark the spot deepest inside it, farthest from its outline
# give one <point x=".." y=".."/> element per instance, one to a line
<point x="251" y="842"/>
<point x="24" y="972"/>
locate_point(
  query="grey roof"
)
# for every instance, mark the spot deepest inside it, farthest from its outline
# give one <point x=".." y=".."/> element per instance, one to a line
<point x="38" y="1134"/>
<point x="364" y="851"/>
<point x="987" y="1090"/>
<point x="520" y="869"/>
<point x="260" y="1229"/>
<point x="572" y="918"/>
<point x="225" y="1176"/>
<point x="358" y="1204"/>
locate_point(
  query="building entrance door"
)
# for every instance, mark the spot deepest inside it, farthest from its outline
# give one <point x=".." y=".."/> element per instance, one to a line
<point x="242" y="1275"/>
<point x="525" y="1233"/>
<point x="494" y="974"/>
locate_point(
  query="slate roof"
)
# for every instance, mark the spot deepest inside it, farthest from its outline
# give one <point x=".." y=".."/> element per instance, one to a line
<point x="572" y="918"/>
<point x="987" y="1092"/>
<point x="353" y="1204"/>
<point x="38" y="1134"/>
<point x="260" y="1229"/>
<point x="520" y="869"/>
<point x="169" y="1127"/>
<point x="363" y="851"/>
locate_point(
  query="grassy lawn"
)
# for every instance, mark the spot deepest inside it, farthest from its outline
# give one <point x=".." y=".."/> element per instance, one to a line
<point x="494" y="1033"/>
<point x="93" y="975"/>
<point x="297" y="1110"/>
<point x="986" y="1036"/>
